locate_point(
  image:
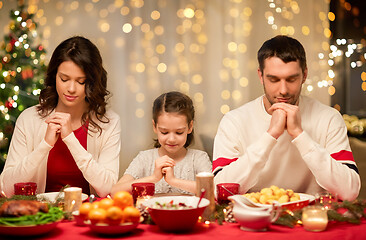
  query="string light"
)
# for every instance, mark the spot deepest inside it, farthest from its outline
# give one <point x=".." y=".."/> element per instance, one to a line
<point x="150" y="63"/>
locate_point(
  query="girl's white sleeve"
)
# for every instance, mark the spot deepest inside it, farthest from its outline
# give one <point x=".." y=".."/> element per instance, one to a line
<point x="138" y="167"/>
<point x="202" y="162"/>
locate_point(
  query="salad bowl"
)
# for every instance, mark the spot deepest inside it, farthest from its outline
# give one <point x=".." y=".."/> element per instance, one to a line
<point x="176" y="213"/>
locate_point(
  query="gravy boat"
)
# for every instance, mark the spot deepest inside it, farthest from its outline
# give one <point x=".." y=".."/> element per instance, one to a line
<point x="252" y="216"/>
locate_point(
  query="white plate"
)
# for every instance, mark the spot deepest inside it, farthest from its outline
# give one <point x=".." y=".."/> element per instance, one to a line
<point x="51" y="196"/>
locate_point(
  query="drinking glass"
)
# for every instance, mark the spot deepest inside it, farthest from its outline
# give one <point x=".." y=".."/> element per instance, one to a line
<point x="142" y="189"/>
<point x="25" y="188"/>
<point x="224" y="190"/>
<point x="326" y="199"/>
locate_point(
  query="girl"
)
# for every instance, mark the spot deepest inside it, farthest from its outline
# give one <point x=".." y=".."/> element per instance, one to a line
<point x="171" y="165"/>
<point x="70" y="137"/>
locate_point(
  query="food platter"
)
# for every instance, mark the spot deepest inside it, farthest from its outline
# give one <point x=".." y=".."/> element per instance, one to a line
<point x="106" y="229"/>
<point x="305" y="199"/>
<point x="51" y="196"/>
<point x="32" y="230"/>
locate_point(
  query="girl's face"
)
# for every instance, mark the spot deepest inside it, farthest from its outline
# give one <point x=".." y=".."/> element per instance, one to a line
<point x="172" y="130"/>
<point x="70" y="86"/>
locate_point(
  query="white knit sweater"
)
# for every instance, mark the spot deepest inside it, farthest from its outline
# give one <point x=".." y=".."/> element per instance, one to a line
<point x="319" y="158"/>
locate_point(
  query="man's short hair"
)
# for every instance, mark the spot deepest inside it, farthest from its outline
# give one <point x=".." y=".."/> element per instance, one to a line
<point x="285" y="48"/>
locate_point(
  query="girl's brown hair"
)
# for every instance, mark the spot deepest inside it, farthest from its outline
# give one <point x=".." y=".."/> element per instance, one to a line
<point x="174" y="102"/>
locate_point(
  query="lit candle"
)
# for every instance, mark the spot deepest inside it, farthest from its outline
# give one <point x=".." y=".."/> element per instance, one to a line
<point x="141" y="200"/>
<point x="72" y="199"/>
<point x="314" y="218"/>
<point x="205" y="180"/>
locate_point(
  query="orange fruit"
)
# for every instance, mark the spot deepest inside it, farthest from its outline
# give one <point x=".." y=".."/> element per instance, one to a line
<point x="123" y="199"/>
<point x="97" y="215"/>
<point x="114" y="215"/>
<point x="131" y="214"/>
<point x="85" y="208"/>
<point x="106" y="203"/>
<point x="95" y="204"/>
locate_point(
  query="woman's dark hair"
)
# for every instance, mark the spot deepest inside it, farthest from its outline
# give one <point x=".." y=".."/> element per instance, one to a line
<point x="174" y="102"/>
<point x="85" y="54"/>
<point x="285" y="48"/>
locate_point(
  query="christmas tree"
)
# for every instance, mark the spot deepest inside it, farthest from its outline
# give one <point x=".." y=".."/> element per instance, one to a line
<point x="22" y="72"/>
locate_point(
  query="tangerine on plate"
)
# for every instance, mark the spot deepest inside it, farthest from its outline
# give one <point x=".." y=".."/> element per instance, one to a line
<point x="106" y="203"/>
<point x="123" y="199"/>
<point x="85" y="208"/>
<point x="97" y="215"/>
<point x="114" y="215"/>
<point x="95" y="204"/>
<point x="131" y="214"/>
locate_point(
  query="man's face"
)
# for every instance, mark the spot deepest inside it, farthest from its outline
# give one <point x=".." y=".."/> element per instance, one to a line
<point x="281" y="81"/>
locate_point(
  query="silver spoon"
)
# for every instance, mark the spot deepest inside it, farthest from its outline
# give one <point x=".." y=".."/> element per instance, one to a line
<point x="91" y="198"/>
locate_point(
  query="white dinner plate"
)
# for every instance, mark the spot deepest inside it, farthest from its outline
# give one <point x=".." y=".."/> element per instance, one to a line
<point x="51" y="196"/>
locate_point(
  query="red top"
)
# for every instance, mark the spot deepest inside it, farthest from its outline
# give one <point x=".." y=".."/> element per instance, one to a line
<point x="61" y="166"/>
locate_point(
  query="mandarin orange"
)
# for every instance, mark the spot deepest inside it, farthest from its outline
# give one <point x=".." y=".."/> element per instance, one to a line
<point x="114" y="215"/>
<point x="97" y="215"/>
<point x="123" y="199"/>
<point x="106" y="203"/>
<point x="131" y="214"/>
<point x="85" y="208"/>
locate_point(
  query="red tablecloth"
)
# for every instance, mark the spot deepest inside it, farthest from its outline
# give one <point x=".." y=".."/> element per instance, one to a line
<point x="68" y="230"/>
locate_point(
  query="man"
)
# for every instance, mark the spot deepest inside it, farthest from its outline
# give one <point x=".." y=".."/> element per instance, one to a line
<point x="282" y="138"/>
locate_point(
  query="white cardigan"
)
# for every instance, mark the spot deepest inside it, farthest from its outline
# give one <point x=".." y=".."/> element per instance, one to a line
<point x="28" y="154"/>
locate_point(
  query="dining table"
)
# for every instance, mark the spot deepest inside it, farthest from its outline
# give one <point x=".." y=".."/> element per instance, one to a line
<point x="335" y="230"/>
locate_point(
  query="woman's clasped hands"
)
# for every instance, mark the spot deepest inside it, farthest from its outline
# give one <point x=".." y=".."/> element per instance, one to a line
<point x="59" y="124"/>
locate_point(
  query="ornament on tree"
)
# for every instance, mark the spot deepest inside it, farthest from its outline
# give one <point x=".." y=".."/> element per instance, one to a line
<point x="8" y="129"/>
<point x="7" y="78"/>
<point x="3" y="142"/>
<point x="9" y="47"/>
<point x="12" y="41"/>
<point x="24" y="15"/>
<point x="27" y="73"/>
<point x="8" y="104"/>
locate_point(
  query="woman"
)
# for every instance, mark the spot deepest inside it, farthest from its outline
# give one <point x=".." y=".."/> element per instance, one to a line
<point x="70" y="137"/>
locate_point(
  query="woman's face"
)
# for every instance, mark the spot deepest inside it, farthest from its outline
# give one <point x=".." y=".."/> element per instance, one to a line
<point x="70" y="86"/>
<point x="172" y="130"/>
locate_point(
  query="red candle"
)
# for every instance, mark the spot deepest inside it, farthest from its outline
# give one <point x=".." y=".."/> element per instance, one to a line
<point x="25" y="188"/>
<point x="142" y="189"/>
<point x="225" y="190"/>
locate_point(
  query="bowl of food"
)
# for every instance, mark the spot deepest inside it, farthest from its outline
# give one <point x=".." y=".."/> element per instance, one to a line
<point x="176" y="213"/>
<point x="288" y="199"/>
